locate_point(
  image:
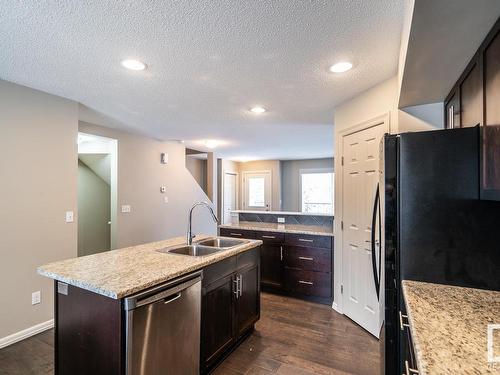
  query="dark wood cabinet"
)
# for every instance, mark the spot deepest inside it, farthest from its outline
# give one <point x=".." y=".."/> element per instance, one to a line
<point x="300" y="265"/>
<point x="476" y="95"/>
<point x="490" y="158"/>
<point x="272" y="266"/>
<point x="247" y="309"/>
<point x="230" y="305"/>
<point x="218" y="311"/>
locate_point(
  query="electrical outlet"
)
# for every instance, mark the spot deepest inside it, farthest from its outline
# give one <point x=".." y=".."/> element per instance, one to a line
<point x="36" y="297"/>
<point x="69" y="216"/>
<point x="281" y="220"/>
<point x="126" y="208"/>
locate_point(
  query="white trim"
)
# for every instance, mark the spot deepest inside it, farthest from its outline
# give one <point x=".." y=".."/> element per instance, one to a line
<point x="237" y="182"/>
<point x="338" y="281"/>
<point x="25" y="333"/>
<point x="281" y="213"/>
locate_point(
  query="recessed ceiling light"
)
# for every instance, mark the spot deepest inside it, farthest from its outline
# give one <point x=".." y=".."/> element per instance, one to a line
<point x="211" y="143"/>
<point x="133" y="64"/>
<point x="341" y="67"/>
<point x="258" y="110"/>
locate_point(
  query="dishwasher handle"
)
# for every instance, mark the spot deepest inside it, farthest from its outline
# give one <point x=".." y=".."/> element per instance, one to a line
<point x="162" y="292"/>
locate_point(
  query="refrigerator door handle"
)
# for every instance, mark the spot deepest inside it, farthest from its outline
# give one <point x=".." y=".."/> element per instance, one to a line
<point x="374" y="256"/>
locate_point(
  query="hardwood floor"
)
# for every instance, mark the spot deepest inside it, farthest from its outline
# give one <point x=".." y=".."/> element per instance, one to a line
<point x="293" y="337"/>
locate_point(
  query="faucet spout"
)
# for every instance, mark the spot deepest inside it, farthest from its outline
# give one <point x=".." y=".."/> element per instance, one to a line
<point x="189" y="235"/>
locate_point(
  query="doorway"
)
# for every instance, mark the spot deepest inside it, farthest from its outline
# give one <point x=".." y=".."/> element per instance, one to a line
<point x="257" y="191"/>
<point x="360" y="175"/>
<point x="97" y="167"/>
<point x="230" y="196"/>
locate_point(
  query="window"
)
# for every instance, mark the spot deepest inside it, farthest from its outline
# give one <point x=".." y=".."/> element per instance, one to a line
<point x="256" y="196"/>
<point x="317" y="191"/>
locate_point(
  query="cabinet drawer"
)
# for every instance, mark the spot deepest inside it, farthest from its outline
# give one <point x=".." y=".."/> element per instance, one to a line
<point x="236" y="233"/>
<point x="310" y="283"/>
<point x="308" y="240"/>
<point x="270" y="237"/>
<point x="308" y="259"/>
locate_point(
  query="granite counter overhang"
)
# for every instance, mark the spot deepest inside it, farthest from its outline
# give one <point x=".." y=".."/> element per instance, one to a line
<point x="281" y="228"/>
<point x="449" y="326"/>
<point x="123" y="272"/>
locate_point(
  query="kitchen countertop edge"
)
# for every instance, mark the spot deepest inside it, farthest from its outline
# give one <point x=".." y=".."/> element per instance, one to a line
<point x="192" y="264"/>
<point x="263" y="228"/>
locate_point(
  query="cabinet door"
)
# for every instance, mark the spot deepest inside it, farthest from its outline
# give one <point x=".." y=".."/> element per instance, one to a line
<point x="471" y="103"/>
<point x="271" y="256"/>
<point x="217" y="319"/>
<point x="236" y="233"/>
<point x="452" y="112"/>
<point x="248" y="305"/>
<point x="491" y="130"/>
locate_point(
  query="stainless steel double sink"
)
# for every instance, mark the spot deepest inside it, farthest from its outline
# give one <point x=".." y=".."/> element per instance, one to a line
<point x="204" y="247"/>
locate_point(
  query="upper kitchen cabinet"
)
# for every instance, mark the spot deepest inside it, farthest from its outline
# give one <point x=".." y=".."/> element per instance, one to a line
<point x="490" y="155"/>
<point x="463" y="106"/>
<point x="477" y="96"/>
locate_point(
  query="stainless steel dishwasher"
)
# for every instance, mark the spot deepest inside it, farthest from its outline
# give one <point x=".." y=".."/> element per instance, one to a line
<point x="163" y="328"/>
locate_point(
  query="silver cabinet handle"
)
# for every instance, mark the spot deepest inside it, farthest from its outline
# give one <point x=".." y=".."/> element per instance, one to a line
<point x="409" y="370"/>
<point x="306" y="258"/>
<point x="176" y="296"/>
<point x="304" y="240"/>
<point x="306" y="282"/>
<point x="281" y="253"/>
<point x="235" y="234"/>
<point x="451" y="116"/>
<point x="401" y="324"/>
<point x="241" y="285"/>
<point x="271" y="237"/>
<point x="237" y="291"/>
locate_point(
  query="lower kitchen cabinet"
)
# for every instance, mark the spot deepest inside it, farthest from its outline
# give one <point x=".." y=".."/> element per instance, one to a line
<point x="299" y="265"/>
<point x="408" y="365"/>
<point x="230" y="305"/>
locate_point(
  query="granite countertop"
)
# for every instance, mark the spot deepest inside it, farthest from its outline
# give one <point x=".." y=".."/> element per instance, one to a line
<point x="285" y="228"/>
<point x="449" y="327"/>
<point x="122" y="272"/>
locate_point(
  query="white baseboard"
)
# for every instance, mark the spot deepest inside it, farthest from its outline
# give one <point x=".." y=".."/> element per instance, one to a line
<point x="25" y="333"/>
<point x="336" y="308"/>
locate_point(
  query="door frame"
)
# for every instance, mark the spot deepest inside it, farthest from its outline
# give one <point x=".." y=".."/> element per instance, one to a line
<point x="237" y="182"/>
<point x="243" y="187"/>
<point x="338" y="303"/>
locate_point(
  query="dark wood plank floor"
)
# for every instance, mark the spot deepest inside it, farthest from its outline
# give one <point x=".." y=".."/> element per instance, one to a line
<point x="293" y="337"/>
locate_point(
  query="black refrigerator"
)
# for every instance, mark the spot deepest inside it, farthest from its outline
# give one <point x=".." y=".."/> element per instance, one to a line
<point x="433" y="226"/>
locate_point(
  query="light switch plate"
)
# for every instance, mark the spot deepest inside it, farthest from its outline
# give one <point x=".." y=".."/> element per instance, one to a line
<point x="165" y="199"/>
<point x="126" y="208"/>
<point x="164" y="158"/>
<point x="69" y="216"/>
<point x="281" y="220"/>
<point x="36" y="297"/>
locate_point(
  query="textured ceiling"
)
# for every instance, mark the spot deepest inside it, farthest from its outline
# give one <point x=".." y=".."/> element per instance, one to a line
<point x="208" y="62"/>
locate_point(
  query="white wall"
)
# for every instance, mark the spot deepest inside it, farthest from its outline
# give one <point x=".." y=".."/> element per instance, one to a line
<point x="38" y="183"/>
<point x="140" y="176"/>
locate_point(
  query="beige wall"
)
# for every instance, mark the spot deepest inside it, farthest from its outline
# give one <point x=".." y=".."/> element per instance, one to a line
<point x="140" y="176"/>
<point x="264" y="165"/>
<point x="290" y="180"/>
<point x="94" y="212"/>
<point x="198" y="169"/>
<point x="38" y="174"/>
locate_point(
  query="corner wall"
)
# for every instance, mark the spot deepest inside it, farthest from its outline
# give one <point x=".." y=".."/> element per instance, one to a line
<point x="140" y="176"/>
<point x="38" y="170"/>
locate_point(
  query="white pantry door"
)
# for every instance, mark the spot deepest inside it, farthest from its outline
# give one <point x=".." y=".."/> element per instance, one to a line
<point x="229" y="196"/>
<point x="360" y="176"/>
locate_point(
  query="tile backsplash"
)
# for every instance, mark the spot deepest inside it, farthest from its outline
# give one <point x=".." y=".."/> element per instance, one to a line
<point x="326" y="221"/>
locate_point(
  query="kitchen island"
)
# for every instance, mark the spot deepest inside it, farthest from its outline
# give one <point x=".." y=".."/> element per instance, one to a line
<point x="96" y="295"/>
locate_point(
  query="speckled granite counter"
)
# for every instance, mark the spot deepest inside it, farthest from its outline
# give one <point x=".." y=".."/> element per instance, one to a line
<point x="122" y="272"/>
<point x="284" y="228"/>
<point x="449" y="327"/>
